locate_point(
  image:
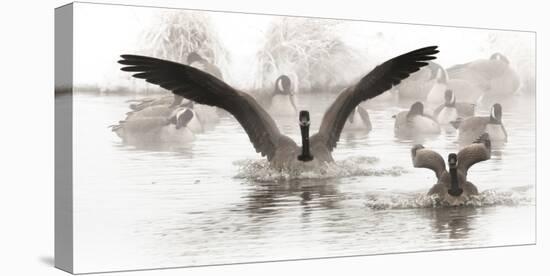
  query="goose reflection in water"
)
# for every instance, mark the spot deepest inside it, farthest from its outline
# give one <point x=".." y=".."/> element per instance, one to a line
<point x="456" y="222"/>
<point x="268" y="198"/>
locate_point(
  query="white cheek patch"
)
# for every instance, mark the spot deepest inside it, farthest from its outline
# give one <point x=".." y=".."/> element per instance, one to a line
<point x="180" y="112"/>
<point x="280" y="85"/>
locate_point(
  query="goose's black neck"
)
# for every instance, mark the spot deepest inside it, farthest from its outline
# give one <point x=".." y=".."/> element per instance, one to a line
<point x="304" y="129"/>
<point x="496" y="114"/>
<point x="455" y="190"/>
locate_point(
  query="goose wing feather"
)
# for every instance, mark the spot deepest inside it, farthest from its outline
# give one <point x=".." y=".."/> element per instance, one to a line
<point x="478" y="151"/>
<point x="428" y="159"/>
<point x="204" y="88"/>
<point x="379" y="80"/>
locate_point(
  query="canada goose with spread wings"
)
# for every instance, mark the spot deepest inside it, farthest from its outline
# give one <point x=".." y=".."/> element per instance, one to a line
<point x="281" y="151"/>
<point x="452" y="185"/>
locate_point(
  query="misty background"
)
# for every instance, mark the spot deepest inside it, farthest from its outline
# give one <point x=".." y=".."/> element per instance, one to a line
<point x="252" y="50"/>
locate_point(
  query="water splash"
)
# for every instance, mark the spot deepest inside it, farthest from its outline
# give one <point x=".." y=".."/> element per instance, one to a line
<point x="261" y="171"/>
<point x="513" y="197"/>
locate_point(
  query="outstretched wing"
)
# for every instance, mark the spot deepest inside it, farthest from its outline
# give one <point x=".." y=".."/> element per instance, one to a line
<point x="428" y="159"/>
<point x="479" y="150"/>
<point x="380" y="79"/>
<point x="203" y="88"/>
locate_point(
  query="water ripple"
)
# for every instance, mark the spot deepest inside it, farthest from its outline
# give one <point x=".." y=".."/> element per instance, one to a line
<point x="484" y="199"/>
<point x="261" y="171"/>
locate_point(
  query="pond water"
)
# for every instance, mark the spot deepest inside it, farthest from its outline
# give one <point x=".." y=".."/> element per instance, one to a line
<point x="215" y="201"/>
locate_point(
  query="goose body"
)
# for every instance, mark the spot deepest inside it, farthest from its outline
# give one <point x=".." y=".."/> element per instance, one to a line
<point x="166" y="111"/>
<point x="473" y="127"/>
<point x="414" y="122"/>
<point x="156" y="125"/>
<point x="494" y="76"/>
<point x="140" y="104"/>
<point x="446" y="115"/>
<point x="451" y="111"/>
<point x="452" y="187"/>
<point x="281" y="151"/>
<point x="464" y="90"/>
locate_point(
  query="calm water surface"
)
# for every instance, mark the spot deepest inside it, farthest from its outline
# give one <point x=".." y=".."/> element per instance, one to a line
<point x="216" y="201"/>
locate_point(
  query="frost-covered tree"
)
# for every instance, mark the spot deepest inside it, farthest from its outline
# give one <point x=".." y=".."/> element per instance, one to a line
<point x="310" y="51"/>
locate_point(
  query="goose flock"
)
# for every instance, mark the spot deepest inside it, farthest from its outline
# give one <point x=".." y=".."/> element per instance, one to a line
<point x="443" y="100"/>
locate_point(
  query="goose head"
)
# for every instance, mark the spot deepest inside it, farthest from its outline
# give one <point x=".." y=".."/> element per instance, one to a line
<point x="181" y="117"/>
<point x="282" y="85"/>
<point x="450" y="98"/>
<point x="500" y="57"/>
<point x="304" y="129"/>
<point x="417" y="108"/>
<point x="496" y="114"/>
<point x="439" y="73"/>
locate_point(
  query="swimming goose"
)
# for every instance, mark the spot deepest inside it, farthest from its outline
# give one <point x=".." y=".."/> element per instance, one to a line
<point x="281" y="151"/>
<point x="156" y="125"/>
<point x="452" y="186"/>
<point x="414" y="122"/>
<point x="494" y="76"/>
<point x="358" y="120"/>
<point x="465" y="90"/>
<point x="451" y="110"/>
<point x="283" y="101"/>
<point x="473" y="127"/>
<point x="166" y="110"/>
